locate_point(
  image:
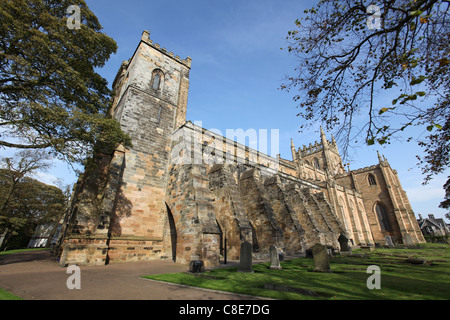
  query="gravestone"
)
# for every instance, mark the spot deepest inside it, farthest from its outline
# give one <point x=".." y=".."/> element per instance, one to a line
<point x="274" y="258"/>
<point x="389" y="241"/>
<point x="196" y="266"/>
<point x="321" y="259"/>
<point x="407" y="240"/>
<point x="245" y="259"/>
<point x="343" y="243"/>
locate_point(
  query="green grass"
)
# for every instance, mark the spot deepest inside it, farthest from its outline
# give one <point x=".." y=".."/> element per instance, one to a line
<point x="347" y="281"/>
<point x="5" y="295"/>
<point x="21" y="250"/>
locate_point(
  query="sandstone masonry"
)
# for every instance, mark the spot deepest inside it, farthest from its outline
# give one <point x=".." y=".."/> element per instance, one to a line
<point x="157" y="201"/>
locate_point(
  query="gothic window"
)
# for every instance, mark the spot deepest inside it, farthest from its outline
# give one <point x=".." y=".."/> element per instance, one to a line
<point x="341" y="206"/>
<point x="371" y="179"/>
<point x="352" y="206"/>
<point x="157" y="79"/>
<point x="316" y="163"/>
<point x="383" y="217"/>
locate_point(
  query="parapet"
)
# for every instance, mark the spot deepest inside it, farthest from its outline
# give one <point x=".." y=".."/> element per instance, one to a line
<point x="146" y="38"/>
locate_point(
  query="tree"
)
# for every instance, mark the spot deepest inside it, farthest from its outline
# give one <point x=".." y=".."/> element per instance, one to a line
<point x="24" y="201"/>
<point x="351" y="52"/>
<point x="50" y="95"/>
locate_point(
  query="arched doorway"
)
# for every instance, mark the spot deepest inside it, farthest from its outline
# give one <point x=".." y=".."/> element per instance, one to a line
<point x="172" y="233"/>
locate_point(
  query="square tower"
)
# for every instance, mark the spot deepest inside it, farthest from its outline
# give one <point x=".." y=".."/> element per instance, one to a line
<point x="152" y="91"/>
<point x="119" y="210"/>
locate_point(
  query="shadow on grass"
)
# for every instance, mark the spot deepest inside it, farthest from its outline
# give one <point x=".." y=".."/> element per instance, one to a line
<point x="347" y="281"/>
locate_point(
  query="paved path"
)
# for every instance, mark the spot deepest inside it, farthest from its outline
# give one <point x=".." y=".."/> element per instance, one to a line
<point x="35" y="275"/>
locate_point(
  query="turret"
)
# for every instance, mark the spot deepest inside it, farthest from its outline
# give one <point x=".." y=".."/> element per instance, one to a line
<point x="294" y="154"/>
<point x="323" y="138"/>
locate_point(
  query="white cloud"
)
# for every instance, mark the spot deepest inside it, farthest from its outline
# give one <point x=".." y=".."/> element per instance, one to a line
<point x="425" y="193"/>
<point x="46" y="178"/>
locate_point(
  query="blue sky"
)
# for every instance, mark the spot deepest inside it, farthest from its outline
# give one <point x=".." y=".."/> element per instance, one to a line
<point x="237" y="69"/>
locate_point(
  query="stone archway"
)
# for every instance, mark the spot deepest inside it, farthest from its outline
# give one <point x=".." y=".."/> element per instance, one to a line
<point x="171" y="234"/>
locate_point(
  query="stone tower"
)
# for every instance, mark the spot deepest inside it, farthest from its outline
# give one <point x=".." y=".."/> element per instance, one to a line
<point x="119" y="214"/>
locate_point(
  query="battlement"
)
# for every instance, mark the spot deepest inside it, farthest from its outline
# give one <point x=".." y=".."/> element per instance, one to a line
<point x="312" y="148"/>
<point x="316" y="147"/>
<point x="146" y="38"/>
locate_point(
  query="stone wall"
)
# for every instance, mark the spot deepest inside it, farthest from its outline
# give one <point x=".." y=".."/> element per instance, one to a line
<point x="185" y="193"/>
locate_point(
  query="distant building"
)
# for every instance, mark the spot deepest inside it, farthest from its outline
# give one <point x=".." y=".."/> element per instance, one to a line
<point x="432" y="226"/>
<point x="44" y="236"/>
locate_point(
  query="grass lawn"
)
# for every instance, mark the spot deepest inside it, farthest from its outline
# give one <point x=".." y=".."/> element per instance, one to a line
<point x="21" y="250"/>
<point x="400" y="280"/>
<point x="5" y="295"/>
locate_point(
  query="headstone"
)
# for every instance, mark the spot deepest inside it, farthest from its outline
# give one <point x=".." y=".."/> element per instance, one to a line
<point x="389" y="241"/>
<point x="245" y="259"/>
<point x="343" y="243"/>
<point x="321" y="259"/>
<point x="196" y="266"/>
<point x="274" y="258"/>
<point x="407" y="240"/>
<point x="415" y="261"/>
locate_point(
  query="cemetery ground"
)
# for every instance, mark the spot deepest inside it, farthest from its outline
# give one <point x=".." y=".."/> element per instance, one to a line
<point x="419" y="273"/>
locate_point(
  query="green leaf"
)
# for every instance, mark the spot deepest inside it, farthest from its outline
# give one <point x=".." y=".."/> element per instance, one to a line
<point x="416" y="13"/>
<point x="383" y="110"/>
<point x="430" y="127"/>
<point x="418" y="80"/>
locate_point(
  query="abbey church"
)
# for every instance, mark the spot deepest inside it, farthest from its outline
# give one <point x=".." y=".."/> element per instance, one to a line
<point x="184" y="193"/>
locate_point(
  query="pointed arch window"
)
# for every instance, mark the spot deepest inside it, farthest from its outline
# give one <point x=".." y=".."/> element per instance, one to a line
<point x="383" y="218"/>
<point x="157" y="79"/>
<point x="371" y="179"/>
<point x="316" y="163"/>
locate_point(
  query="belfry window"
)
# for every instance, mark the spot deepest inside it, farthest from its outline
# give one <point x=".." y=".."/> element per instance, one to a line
<point x="156" y="81"/>
<point x="371" y="179"/>
<point x="157" y="78"/>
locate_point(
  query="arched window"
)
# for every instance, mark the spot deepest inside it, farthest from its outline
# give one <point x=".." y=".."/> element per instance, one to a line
<point x="371" y="179"/>
<point x="382" y="216"/>
<point x="157" y="79"/>
<point x="352" y="206"/>
<point x="342" y="207"/>
<point x="316" y="163"/>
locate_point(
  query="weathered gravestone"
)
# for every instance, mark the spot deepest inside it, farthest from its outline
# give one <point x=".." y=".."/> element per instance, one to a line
<point x="389" y="241"/>
<point x="196" y="266"/>
<point x="321" y="259"/>
<point x="245" y="259"/>
<point x="343" y="243"/>
<point x="274" y="258"/>
<point x="407" y="240"/>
